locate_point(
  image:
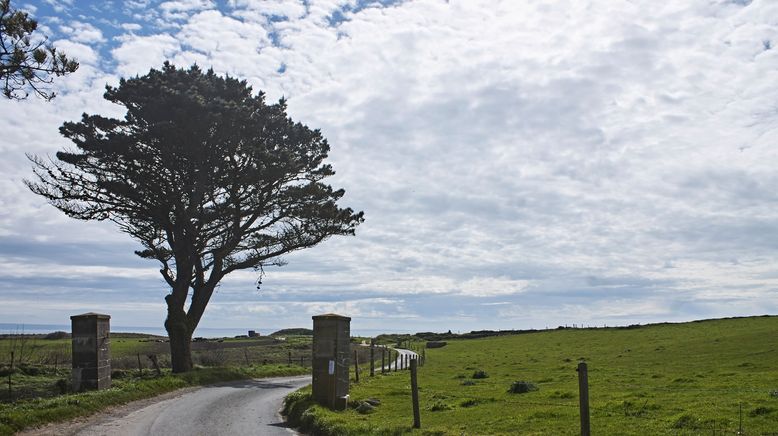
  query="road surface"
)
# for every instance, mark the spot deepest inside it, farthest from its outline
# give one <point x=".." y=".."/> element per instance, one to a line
<point x="245" y="407"/>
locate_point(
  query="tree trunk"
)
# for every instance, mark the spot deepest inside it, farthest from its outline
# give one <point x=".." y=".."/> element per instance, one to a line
<point x="180" y="335"/>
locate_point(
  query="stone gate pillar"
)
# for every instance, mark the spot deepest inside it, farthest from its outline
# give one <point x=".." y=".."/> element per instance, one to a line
<point x="91" y="351"/>
<point x="331" y="360"/>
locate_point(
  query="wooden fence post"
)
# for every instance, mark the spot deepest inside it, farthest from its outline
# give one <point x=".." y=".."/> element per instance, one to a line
<point x="356" y="366"/>
<point x="583" y="398"/>
<point x="415" y="395"/>
<point x="372" y="357"/>
<point x="290" y="358"/>
<point x="740" y="429"/>
<point x="302" y="360"/>
<point x="397" y="362"/>
<point x="383" y="361"/>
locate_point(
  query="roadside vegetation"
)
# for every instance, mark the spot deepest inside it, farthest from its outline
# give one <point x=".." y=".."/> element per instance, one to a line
<point x="35" y="385"/>
<point x="675" y="379"/>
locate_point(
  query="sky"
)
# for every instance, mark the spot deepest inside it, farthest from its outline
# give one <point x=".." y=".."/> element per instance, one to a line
<point x="521" y="164"/>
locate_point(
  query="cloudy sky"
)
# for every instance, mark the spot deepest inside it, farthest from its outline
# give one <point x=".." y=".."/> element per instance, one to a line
<point x="520" y="163"/>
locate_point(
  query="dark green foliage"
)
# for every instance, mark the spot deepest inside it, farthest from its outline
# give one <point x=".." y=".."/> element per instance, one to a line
<point x="62" y="385"/>
<point x="373" y="402"/>
<point x="761" y="410"/>
<point x="30" y="369"/>
<point x="480" y="374"/>
<point x="293" y="332"/>
<point x="438" y="406"/>
<point x="207" y="177"/>
<point x="686" y="421"/>
<point x="26" y="60"/>
<point x="365" y="408"/>
<point x="522" y="387"/>
<point x="119" y="374"/>
<point x="469" y="402"/>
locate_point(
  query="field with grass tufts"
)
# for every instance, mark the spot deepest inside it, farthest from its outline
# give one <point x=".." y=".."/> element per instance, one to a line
<point x="674" y="379"/>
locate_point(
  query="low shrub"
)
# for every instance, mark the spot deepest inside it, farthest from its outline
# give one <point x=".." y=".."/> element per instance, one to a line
<point x="57" y="335"/>
<point x="686" y="421"/>
<point x="63" y="386"/>
<point x="470" y="402"/>
<point x="30" y="370"/>
<point x="365" y="408"/>
<point x="438" y="406"/>
<point x="479" y="373"/>
<point x="759" y="411"/>
<point x="522" y="387"/>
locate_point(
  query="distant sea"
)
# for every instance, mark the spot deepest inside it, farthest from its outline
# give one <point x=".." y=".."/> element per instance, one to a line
<point x="204" y="332"/>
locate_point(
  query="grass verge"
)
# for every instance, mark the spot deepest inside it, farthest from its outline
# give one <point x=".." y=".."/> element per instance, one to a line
<point x="305" y="415"/>
<point x="32" y="413"/>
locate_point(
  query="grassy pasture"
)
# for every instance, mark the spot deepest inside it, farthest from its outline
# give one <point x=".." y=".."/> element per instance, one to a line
<point x="674" y="379"/>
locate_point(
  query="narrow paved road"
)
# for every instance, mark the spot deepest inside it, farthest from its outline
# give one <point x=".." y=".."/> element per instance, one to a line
<point x="246" y="407"/>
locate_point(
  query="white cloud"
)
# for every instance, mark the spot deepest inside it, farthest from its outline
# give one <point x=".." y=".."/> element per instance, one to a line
<point x="181" y="9"/>
<point x="84" y="54"/>
<point x="277" y="8"/>
<point x="29" y="8"/>
<point x="137" y="54"/>
<point x="82" y="32"/>
<point x="131" y="26"/>
<point x="59" y="5"/>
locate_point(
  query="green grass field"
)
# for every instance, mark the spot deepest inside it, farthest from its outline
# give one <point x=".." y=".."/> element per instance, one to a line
<point x="674" y="379"/>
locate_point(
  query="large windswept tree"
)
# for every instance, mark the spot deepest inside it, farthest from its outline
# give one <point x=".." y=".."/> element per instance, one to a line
<point x="206" y="176"/>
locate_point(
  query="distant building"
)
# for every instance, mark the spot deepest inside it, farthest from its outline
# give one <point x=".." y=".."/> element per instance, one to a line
<point x="253" y="334"/>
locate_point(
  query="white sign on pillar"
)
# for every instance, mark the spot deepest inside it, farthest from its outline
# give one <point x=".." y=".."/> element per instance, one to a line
<point x="331" y="368"/>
